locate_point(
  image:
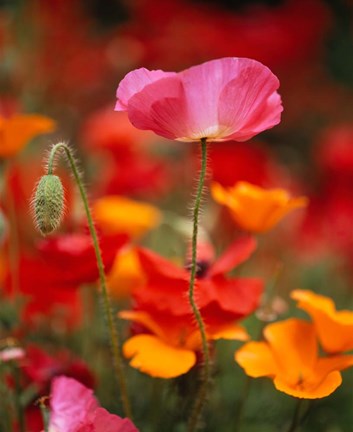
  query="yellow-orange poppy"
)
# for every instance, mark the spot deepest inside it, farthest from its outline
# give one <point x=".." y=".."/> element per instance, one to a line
<point x="334" y="328"/>
<point x="289" y="356"/>
<point x="18" y="130"/>
<point x="169" y="349"/>
<point x="256" y="209"/>
<point x="117" y="214"/>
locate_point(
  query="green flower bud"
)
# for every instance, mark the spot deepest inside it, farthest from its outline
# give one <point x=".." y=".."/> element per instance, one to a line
<point x="48" y="204"/>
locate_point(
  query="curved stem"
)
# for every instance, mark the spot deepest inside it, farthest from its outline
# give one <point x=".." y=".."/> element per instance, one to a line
<point x="202" y="392"/>
<point x="114" y="335"/>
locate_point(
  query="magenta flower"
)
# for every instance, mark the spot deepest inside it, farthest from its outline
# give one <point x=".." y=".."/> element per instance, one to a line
<point x="75" y="409"/>
<point x="221" y="100"/>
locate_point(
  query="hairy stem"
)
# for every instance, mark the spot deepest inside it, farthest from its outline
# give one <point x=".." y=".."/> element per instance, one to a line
<point x="205" y="373"/>
<point x="113" y="330"/>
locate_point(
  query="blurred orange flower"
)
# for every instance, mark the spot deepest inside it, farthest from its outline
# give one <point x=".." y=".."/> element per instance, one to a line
<point x="169" y="350"/>
<point x="334" y="328"/>
<point x="117" y="214"/>
<point x="126" y="273"/>
<point x="256" y="209"/>
<point x="290" y="357"/>
<point x="18" y="130"/>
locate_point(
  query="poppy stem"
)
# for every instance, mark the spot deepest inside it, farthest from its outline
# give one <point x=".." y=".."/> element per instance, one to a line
<point x="113" y="330"/>
<point x="296" y="416"/>
<point x="202" y="391"/>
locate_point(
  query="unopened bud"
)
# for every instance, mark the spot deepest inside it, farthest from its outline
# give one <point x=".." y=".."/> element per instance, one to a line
<point x="48" y="203"/>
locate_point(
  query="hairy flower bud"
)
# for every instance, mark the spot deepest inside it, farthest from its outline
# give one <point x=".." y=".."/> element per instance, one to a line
<point x="48" y="204"/>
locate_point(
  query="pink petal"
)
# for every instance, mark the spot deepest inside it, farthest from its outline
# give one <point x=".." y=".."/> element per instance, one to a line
<point x="71" y="403"/>
<point x="203" y="85"/>
<point x="106" y="422"/>
<point x="249" y="103"/>
<point x="160" y="107"/>
<point x="134" y="82"/>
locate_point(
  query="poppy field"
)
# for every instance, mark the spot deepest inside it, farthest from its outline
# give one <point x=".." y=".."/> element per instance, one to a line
<point x="176" y="216"/>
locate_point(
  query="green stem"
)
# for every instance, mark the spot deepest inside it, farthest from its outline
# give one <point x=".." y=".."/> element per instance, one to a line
<point x="242" y="402"/>
<point x="45" y="413"/>
<point x="19" y="407"/>
<point x="202" y="392"/>
<point x="296" y="416"/>
<point x="114" y="335"/>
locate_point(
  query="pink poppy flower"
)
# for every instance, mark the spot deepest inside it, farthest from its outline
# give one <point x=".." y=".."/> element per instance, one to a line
<point x="221" y="100"/>
<point x="75" y="409"/>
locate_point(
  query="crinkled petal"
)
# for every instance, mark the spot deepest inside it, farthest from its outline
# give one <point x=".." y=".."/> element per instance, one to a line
<point x="153" y="356"/>
<point x="237" y="296"/>
<point x="70" y="404"/>
<point x="134" y="82"/>
<point x="249" y="103"/>
<point x="161" y="107"/>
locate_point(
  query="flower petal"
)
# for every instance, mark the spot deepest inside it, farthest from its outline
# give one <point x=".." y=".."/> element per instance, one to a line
<point x="335" y="328"/>
<point x="238" y="252"/>
<point x="134" y="82"/>
<point x="258" y="106"/>
<point x="257" y="359"/>
<point x="327" y="386"/>
<point x="18" y="130"/>
<point x="117" y="214"/>
<point x="237" y="296"/>
<point x="70" y="404"/>
<point x="294" y="345"/>
<point x="151" y="355"/>
<point x="161" y="107"/>
<point x="145" y="319"/>
<point x="106" y="422"/>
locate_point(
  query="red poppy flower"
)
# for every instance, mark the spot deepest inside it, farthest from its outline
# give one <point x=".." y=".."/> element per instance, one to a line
<point x="49" y="278"/>
<point x="168" y="337"/>
<point x="213" y="289"/>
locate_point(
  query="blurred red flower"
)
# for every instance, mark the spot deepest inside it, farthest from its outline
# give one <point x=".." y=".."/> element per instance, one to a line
<point x="129" y="166"/>
<point x="50" y="276"/>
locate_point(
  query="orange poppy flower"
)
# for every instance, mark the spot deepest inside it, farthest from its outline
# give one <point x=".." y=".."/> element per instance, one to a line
<point x="18" y="130"/>
<point x="117" y="214"/>
<point x="256" y="209"/>
<point x="290" y="357"/>
<point x="170" y="346"/>
<point x="334" y="328"/>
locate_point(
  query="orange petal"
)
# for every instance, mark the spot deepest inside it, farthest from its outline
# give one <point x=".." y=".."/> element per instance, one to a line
<point x="255" y="209"/>
<point x="334" y="328"/>
<point x="145" y="319"/>
<point x="306" y="391"/>
<point x="18" y="130"/>
<point x="230" y="332"/>
<point x="257" y="359"/>
<point x="294" y="345"/>
<point x="117" y="214"/>
<point x="126" y="274"/>
<point x="151" y="355"/>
